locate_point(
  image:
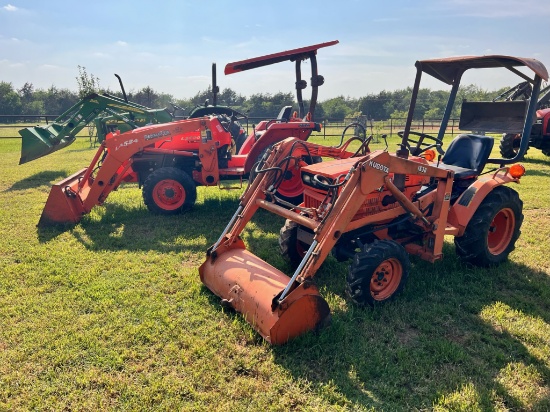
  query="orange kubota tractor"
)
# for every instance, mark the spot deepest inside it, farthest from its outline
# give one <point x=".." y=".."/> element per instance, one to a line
<point x="377" y="209"/>
<point x="170" y="159"/>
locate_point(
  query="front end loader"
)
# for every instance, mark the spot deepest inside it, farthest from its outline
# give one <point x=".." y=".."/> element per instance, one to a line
<point x="170" y="159"/>
<point x="76" y="195"/>
<point x="39" y="141"/>
<point x="377" y="208"/>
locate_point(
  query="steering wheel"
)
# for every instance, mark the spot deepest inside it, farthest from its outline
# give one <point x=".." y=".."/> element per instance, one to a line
<point x="421" y="146"/>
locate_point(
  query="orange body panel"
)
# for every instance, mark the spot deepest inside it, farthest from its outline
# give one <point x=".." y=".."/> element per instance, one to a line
<point x="466" y="205"/>
<point x="275" y="133"/>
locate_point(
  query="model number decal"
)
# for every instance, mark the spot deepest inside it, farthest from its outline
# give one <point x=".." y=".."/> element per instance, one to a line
<point x="126" y="143"/>
<point x="378" y="166"/>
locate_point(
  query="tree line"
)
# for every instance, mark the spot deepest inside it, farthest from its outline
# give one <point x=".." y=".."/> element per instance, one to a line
<point x="27" y="100"/>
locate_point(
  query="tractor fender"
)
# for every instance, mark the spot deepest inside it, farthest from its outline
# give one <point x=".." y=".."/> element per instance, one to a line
<point x="544" y="116"/>
<point x="258" y="148"/>
<point x="468" y="202"/>
<point x="274" y="134"/>
<point x="543" y="113"/>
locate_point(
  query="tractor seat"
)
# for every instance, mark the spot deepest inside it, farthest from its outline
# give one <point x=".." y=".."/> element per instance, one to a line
<point x="284" y="114"/>
<point x="467" y="155"/>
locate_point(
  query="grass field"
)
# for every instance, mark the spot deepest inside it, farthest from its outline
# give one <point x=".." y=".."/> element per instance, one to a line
<point x="110" y="314"/>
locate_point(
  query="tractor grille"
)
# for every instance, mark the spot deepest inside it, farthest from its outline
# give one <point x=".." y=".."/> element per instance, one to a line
<point x="371" y="205"/>
<point x="374" y="203"/>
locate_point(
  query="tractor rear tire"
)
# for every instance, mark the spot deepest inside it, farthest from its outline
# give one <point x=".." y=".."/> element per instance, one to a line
<point x="509" y="145"/>
<point x="378" y="272"/>
<point x="291" y="189"/>
<point x="169" y="191"/>
<point x="239" y="141"/>
<point x="492" y="232"/>
<point x="290" y="247"/>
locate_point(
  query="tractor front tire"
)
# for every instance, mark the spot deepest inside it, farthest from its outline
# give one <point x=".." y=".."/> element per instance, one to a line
<point x="290" y="247"/>
<point x="169" y="191"/>
<point x="492" y="232"/>
<point x="509" y="145"/>
<point x="378" y="272"/>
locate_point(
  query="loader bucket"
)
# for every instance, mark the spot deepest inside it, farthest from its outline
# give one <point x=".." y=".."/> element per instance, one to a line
<point x="493" y="117"/>
<point x="64" y="204"/>
<point x="38" y="141"/>
<point x="251" y="286"/>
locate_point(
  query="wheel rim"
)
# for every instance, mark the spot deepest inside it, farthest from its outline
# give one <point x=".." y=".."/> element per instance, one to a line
<point x="501" y="231"/>
<point x="169" y="194"/>
<point x="292" y="186"/>
<point x="386" y="279"/>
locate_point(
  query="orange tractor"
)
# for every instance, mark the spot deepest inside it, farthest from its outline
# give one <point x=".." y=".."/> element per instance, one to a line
<point x="170" y="159"/>
<point x="377" y="208"/>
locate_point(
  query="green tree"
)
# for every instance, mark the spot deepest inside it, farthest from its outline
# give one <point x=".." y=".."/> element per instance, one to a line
<point x="267" y="106"/>
<point x="399" y="114"/>
<point x="55" y="101"/>
<point x="150" y="98"/>
<point x="10" y="102"/>
<point x="336" y="108"/>
<point x="230" y="98"/>
<point x="436" y="104"/>
<point x="87" y="83"/>
<point x="374" y="106"/>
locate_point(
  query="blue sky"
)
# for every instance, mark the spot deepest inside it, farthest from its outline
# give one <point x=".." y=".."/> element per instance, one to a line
<point x="170" y="45"/>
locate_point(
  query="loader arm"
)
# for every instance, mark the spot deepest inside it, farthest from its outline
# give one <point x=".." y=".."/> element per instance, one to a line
<point x="249" y="284"/>
<point x="287" y="154"/>
<point x="39" y="141"/>
<point x="76" y="195"/>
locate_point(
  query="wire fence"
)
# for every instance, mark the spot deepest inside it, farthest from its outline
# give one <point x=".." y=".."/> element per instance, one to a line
<point x="389" y="127"/>
<point x="11" y="124"/>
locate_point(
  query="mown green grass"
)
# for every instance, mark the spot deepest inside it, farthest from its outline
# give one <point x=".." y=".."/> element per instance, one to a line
<point x="12" y="130"/>
<point x="110" y="314"/>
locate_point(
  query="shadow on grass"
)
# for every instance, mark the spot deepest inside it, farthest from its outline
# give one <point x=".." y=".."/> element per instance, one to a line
<point x="39" y="179"/>
<point x="532" y="172"/>
<point x="536" y="161"/>
<point x="136" y="229"/>
<point x="431" y="342"/>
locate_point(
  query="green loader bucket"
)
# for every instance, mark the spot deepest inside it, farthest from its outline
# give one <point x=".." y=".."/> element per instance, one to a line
<point x="40" y="141"/>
